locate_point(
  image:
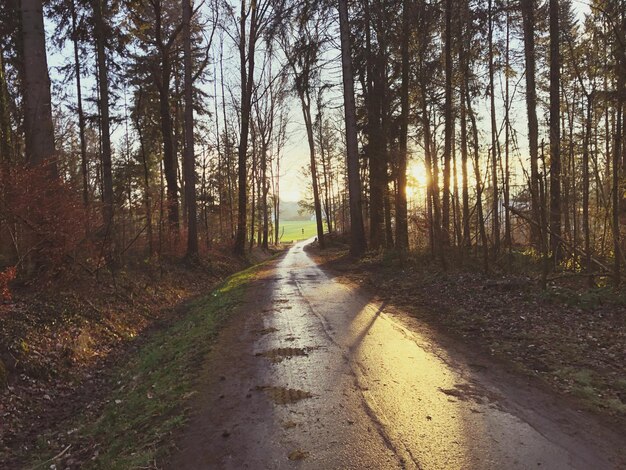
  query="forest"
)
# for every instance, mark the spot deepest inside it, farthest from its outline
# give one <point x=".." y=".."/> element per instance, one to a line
<point x="164" y="128"/>
<point x="471" y="152"/>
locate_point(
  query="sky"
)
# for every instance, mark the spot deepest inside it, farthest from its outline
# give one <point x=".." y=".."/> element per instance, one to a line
<point x="296" y="153"/>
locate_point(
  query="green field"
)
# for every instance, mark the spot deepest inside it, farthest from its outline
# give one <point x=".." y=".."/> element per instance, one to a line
<point x="291" y="230"/>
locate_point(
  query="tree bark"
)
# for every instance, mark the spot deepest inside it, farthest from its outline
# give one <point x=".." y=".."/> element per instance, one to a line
<point x="357" y="231"/>
<point x="189" y="160"/>
<point x="38" y="125"/>
<point x="81" y="114"/>
<point x="247" y="82"/>
<point x="555" y="133"/>
<point x="495" y="207"/>
<point x="402" y="232"/>
<point x="448" y="124"/>
<point x="6" y="147"/>
<point x="100" y="10"/>
<point x="528" y="19"/>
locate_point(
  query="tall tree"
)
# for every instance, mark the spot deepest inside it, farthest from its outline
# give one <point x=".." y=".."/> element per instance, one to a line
<point x="528" y="19"/>
<point x="357" y="231"/>
<point x="303" y="55"/>
<point x="555" y="132"/>
<point x="402" y="234"/>
<point x="448" y="123"/>
<point x="189" y="161"/>
<point x="101" y="30"/>
<point x="258" y="19"/>
<point x="37" y="99"/>
<point x="495" y="146"/>
<point x="79" y="107"/>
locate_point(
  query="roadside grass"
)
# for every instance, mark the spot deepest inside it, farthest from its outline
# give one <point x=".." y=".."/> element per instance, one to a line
<point x="134" y="428"/>
<point x="292" y="230"/>
<point x="588" y="385"/>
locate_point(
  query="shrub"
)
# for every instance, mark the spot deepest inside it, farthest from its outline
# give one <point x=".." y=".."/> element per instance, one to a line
<point x="44" y="217"/>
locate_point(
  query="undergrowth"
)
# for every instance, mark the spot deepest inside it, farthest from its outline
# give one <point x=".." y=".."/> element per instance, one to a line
<point x="133" y="429"/>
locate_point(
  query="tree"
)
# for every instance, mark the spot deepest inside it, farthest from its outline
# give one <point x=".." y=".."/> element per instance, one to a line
<point x="528" y="19"/>
<point x="495" y="146"/>
<point x="555" y="133"/>
<point x="448" y="123"/>
<point x="357" y="231"/>
<point x="402" y="234"/>
<point x="37" y="100"/>
<point x="257" y="20"/>
<point x="303" y="56"/>
<point x="189" y="161"/>
<point x="101" y="32"/>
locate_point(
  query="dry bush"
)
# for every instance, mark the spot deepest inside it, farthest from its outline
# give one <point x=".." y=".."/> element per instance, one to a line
<point x="43" y="218"/>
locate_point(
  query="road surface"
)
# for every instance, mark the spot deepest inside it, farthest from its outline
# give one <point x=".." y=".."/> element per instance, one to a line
<point x="315" y="374"/>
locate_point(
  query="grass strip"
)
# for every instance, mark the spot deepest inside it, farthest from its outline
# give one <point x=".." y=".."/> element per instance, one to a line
<point x="150" y="401"/>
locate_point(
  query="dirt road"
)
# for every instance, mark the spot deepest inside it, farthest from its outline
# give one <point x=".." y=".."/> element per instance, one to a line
<point x="315" y="374"/>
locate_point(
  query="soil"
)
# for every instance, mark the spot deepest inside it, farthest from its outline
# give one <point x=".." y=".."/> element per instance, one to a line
<point x="61" y="340"/>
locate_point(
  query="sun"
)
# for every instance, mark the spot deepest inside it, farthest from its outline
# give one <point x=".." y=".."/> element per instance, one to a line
<point x="417" y="179"/>
<point x="417" y="173"/>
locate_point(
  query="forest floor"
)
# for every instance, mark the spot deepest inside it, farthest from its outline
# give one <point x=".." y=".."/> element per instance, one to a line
<point x="573" y="339"/>
<point x="66" y="343"/>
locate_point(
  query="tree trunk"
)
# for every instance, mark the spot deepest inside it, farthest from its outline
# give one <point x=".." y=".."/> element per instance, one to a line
<point x="189" y="160"/>
<point x="585" y="164"/>
<point x="81" y="116"/>
<point x="616" y="196"/>
<point x="508" y="242"/>
<point x="305" y="101"/>
<point x="6" y="146"/>
<point x="495" y="207"/>
<point x="227" y="150"/>
<point x="433" y="175"/>
<point x="555" y="134"/>
<point x="38" y="126"/>
<point x="375" y="147"/>
<point x="402" y="231"/>
<point x="448" y="124"/>
<point x="464" y="149"/>
<point x="253" y="186"/>
<point x="327" y="177"/>
<point x="528" y="18"/>
<point x="100" y="10"/>
<point x="264" y="192"/>
<point x="479" y="185"/>
<point x="357" y="231"/>
<point x="162" y="78"/>
<point x="247" y="81"/>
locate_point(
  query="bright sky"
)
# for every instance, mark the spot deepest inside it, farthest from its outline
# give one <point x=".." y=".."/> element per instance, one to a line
<point x="296" y="153"/>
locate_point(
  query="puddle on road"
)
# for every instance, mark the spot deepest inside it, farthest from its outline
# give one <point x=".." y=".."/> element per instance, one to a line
<point x="278" y="354"/>
<point x="284" y="396"/>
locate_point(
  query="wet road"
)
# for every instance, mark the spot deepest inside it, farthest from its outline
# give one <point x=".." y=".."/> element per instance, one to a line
<point x="314" y="374"/>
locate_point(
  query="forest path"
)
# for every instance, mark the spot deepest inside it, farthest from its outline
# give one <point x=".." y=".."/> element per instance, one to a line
<point x="315" y="374"/>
